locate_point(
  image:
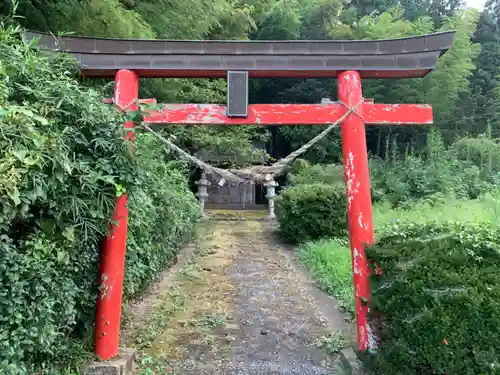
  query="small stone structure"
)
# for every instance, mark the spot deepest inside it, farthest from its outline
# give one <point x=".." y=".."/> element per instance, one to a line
<point x="271" y="196"/>
<point x="202" y="193"/>
<point x="231" y="194"/>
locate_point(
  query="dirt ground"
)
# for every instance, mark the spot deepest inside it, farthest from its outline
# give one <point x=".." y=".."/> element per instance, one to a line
<point x="236" y="304"/>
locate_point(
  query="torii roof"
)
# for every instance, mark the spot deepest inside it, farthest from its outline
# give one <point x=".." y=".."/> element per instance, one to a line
<point x="389" y="58"/>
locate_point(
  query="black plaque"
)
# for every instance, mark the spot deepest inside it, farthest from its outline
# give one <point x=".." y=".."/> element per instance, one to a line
<point x="237" y="94"/>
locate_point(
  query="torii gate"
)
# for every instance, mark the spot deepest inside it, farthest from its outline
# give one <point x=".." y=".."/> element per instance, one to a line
<point x="348" y="61"/>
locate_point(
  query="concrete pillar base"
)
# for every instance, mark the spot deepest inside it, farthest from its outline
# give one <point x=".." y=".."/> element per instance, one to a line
<point x="350" y="362"/>
<point x="122" y="364"/>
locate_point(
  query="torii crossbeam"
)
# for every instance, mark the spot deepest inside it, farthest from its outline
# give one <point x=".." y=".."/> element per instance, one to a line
<point x="348" y="61"/>
<point x="289" y="114"/>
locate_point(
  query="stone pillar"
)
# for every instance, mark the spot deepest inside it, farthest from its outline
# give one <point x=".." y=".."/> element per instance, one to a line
<point x="271" y="195"/>
<point x="202" y="193"/>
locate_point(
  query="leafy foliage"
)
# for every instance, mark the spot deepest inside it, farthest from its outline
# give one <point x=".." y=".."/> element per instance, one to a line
<point x="63" y="158"/>
<point x="63" y="161"/>
<point x="465" y="169"/>
<point x="478" y="107"/>
<point x="312" y="211"/>
<point x="437" y="10"/>
<point x="143" y="20"/>
<point x="390" y="24"/>
<point x="328" y="150"/>
<point x="89" y="17"/>
<point x="198" y="16"/>
<point x="435" y="307"/>
<point x="302" y="172"/>
<point x="299" y="19"/>
<point x="482" y="152"/>
<point x="441" y="88"/>
<point x="412" y="179"/>
<point x="162" y="214"/>
<point x="453" y="69"/>
<point x="485" y="209"/>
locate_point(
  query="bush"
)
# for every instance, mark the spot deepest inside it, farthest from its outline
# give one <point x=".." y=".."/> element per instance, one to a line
<point x="162" y="211"/>
<point x="419" y="179"/>
<point x="63" y="161"/>
<point x="312" y="211"/>
<point x="302" y="172"/>
<point x="468" y="182"/>
<point x="436" y="307"/>
<point x="414" y="178"/>
<point x="482" y="152"/>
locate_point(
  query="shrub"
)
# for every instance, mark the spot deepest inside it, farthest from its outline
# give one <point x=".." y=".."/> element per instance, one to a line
<point x="468" y="182"/>
<point x="63" y="160"/>
<point x="312" y="211"/>
<point x="482" y="152"/>
<point x="414" y="178"/>
<point x="436" y="307"/>
<point x="303" y="172"/>
<point x="162" y="211"/>
<point x="419" y="179"/>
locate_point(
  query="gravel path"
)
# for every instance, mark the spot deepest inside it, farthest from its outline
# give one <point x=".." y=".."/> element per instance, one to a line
<point x="241" y="306"/>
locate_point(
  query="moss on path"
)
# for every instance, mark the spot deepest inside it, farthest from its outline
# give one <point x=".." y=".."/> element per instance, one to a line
<point x="238" y="306"/>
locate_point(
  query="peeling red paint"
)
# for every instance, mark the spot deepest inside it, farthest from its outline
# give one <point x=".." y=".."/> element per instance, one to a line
<point x="112" y="265"/>
<point x="289" y="114"/>
<point x="105" y="287"/>
<point x="349" y="178"/>
<point x="357" y="181"/>
<point x="140" y="101"/>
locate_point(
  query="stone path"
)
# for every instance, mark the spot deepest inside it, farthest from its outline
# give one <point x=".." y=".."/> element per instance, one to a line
<point x="239" y="306"/>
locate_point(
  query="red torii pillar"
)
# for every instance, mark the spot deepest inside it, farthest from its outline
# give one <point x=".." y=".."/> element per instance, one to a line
<point x="359" y="202"/>
<point x="356" y="174"/>
<point x="112" y="266"/>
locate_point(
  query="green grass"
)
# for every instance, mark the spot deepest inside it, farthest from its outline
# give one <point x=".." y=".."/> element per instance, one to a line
<point x="485" y="209"/>
<point x="329" y="261"/>
<point x="330" y="264"/>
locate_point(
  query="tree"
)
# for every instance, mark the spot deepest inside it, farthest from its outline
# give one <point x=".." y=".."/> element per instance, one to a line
<point x="496" y="92"/>
<point x="297" y="19"/>
<point x="281" y="22"/>
<point x="437" y="10"/>
<point x="371" y="7"/>
<point x="478" y="106"/>
<point x="318" y="16"/>
<point x="441" y="88"/>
